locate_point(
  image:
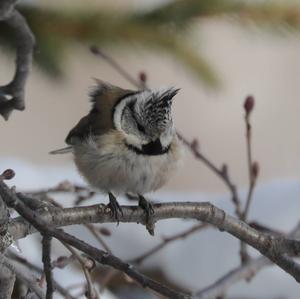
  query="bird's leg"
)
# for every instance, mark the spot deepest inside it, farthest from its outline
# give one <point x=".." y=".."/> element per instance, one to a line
<point x="114" y="207"/>
<point x="149" y="212"/>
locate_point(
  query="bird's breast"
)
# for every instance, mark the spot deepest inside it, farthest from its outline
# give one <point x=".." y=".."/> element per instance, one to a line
<point x="108" y="164"/>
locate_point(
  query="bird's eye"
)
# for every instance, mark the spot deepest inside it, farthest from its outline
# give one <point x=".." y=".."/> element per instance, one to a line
<point x="140" y="128"/>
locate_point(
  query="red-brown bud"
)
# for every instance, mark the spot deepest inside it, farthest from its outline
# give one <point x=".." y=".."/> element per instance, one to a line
<point x="61" y="262"/>
<point x="249" y="104"/>
<point x="104" y="231"/>
<point x="224" y="170"/>
<point x="94" y="49"/>
<point x="65" y="186"/>
<point x="7" y="174"/>
<point x="255" y="169"/>
<point x="89" y="264"/>
<point x="143" y="77"/>
<point x="195" y="145"/>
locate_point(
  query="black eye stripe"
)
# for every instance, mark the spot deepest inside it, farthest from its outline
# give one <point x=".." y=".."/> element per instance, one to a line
<point x="131" y="108"/>
<point x="140" y="128"/>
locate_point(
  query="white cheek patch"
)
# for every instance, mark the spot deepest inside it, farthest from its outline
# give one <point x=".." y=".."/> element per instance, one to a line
<point x="118" y="111"/>
<point x="141" y="97"/>
<point x="117" y="119"/>
<point x="167" y="137"/>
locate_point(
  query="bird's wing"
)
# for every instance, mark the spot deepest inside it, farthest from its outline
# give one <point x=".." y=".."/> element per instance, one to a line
<point x="100" y="119"/>
<point x="80" y="131"/>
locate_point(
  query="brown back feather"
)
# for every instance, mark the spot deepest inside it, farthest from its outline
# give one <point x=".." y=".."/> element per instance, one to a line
<point x="100" y="119"/>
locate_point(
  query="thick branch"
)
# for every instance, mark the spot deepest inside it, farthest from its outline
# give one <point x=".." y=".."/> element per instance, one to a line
<point x="5" y="237"/>
<point x="98" y="255"/>
<point x="7" y="280"/>
<point x="24" y="275"/>
<point x="270" y="246"/>
<point x="12" y="95"/>
<point x="7" y="277"/>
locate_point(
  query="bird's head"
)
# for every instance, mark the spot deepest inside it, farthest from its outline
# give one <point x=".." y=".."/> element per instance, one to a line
<point x="145" y="118"/>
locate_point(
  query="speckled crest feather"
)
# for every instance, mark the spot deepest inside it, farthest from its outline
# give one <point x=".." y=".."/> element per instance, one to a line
<point x="157" y="107"/>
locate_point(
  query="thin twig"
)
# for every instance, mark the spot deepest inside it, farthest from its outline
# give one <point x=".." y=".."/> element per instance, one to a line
<point x="252" y="167"/>
<point x="252" y="171"/>
<point x="93" y="231"/>
<point x="100" y="53"/>
<point x="82" y="193"/>
<point x="39" y="270"/>
<point x="46" y="249"/>
<point x="222" y="173"/>
<point x="245" y="271"/>
<point x="166" y="241"/>
<point x="91" y="292"/>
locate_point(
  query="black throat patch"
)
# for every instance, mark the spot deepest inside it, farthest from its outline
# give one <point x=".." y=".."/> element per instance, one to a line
<point x="153" y="148"/>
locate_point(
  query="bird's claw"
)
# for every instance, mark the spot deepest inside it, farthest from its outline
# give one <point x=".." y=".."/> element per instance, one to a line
<point x="149" y="212"/>
<point x="115" y="208"/>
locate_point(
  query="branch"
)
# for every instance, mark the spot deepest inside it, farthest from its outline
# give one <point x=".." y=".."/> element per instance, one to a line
<point x="7" y="280"/>
<point x="32" y="267"/>
<point x="91" y="292"/>
<point x="167" y="240"/>
<point x="272" y="247"/>
<point x="5" y="237"/>
<point x="46" y="244"/>
<point x="98" y="255"/>
<point x="115" y="65"/>
<point x="7" y="276"/>
<point x="222" y="172"/>
<point x="12" y="95"/>
<point x="253" y="167"/>
<point x="25" y="276"/>
<point x="244" y="271"/>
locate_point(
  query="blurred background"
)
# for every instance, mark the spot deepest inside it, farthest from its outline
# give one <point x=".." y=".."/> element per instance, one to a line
<point x="217" y="52"/>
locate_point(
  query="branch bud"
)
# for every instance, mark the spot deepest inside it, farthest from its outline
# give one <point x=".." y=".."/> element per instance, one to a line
<point x="143" y="77"/>
<point x="104" y="231"/>
<point x="249" y="104"/>
<point x="7" y="174"/>
<point x="224" y="170"/>
<point x="89" y="264"/>
<point x="255" y="169"/>
<point x="195" y="145"/>
<point x="94" y="49"/>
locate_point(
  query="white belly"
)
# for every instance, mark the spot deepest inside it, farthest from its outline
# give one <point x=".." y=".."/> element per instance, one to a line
<point x="109" y="165"/>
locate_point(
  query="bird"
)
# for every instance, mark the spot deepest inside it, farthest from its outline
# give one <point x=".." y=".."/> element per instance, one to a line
<point x="127" y="143"/>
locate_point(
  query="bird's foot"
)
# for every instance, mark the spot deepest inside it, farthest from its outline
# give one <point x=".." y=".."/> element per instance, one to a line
<point x="115" y="208"/>
<point x="149" y="212"/>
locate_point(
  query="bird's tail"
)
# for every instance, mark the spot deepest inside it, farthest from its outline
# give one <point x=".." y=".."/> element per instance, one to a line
<point x="64" y="150"/>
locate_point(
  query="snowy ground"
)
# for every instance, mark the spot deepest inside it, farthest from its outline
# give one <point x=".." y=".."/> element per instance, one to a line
<point x="198" y="260"/>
